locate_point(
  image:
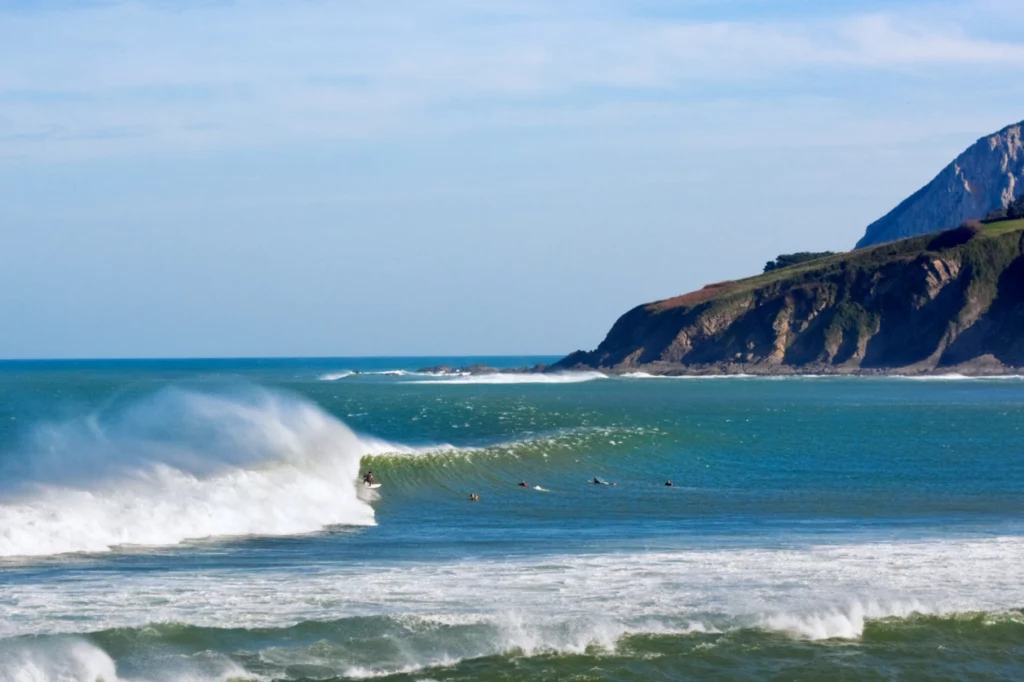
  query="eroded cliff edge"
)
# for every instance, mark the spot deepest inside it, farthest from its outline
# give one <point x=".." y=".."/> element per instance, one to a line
<point x="952" y="301"/>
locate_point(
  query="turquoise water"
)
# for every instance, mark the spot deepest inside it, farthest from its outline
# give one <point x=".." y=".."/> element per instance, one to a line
<point x="166" y="520"/>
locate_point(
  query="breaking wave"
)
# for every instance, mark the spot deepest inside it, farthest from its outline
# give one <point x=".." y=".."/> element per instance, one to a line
<point x="179" y="465"/>
<point x="334" y="376"/>
<point x="524" y="378"/>
<point x="369" y="647"/>
<point x="77" y="659"/>
<point x="476" y="617"/>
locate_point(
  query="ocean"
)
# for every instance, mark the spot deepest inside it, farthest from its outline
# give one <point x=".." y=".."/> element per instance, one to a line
<point x="200" y="520"/>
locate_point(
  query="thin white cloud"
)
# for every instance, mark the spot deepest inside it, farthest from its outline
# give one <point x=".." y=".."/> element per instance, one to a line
<point x="881" y="41"/>
<point x="137" y="77"/>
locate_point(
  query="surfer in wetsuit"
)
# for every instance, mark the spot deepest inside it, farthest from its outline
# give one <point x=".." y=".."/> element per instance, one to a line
<point x="368" y="478"/>
<point x="597" y="481"/>
<point x="522" y="484"/>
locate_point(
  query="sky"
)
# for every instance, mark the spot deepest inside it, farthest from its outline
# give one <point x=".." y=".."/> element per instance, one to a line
<point x="333" y="178"/>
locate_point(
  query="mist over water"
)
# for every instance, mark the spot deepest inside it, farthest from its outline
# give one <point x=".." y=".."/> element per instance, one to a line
<point x="181" y="521"/>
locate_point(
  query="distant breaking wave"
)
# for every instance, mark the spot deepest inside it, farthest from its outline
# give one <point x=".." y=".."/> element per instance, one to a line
<point x="335" y="376"/>
<point x="456" y="377"/>
<point x="524" y="378"/>
<point x="182" y="464"/>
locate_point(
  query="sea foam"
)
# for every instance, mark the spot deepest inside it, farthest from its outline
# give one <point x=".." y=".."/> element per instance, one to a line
<point x="181" y="464"/>
<point x="438" y="612"/>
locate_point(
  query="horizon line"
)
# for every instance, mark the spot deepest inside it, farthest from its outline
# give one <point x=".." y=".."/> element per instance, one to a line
<point x="281" y="357"/>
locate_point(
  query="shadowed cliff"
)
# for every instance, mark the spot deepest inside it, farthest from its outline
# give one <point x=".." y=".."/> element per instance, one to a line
<point x="949" y="300"/>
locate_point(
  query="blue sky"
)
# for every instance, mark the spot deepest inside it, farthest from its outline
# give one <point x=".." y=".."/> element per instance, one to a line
<point x="444" y="176"/>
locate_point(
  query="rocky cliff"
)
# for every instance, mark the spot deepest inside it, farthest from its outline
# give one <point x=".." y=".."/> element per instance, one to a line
<point x="986" y="177"/>
<point x="952" y="301"/>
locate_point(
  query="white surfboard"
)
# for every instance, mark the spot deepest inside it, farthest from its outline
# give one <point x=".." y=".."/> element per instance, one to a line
<point x="371" y="486"/>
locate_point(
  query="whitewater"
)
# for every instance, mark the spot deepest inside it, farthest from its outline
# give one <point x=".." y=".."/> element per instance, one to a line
<point x="164" y="521"/>
<point x="182" y="465"/>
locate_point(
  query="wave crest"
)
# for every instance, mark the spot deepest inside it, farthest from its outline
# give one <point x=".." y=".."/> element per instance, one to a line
<point x="75" y="659"/>
<point x="840" y="623"/>
<point x="368" y="647"/>
<point x="179" y="465"/>
<point x="335" y="376"/>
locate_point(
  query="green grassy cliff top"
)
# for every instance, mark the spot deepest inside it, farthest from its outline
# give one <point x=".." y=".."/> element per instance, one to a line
<point x="958" y="239"/>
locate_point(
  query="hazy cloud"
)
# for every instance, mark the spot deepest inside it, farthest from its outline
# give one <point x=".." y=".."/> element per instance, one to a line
<point x="202" y="75"/>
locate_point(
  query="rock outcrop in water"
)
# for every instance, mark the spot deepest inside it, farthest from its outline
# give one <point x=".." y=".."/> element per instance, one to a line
<point x="986" y="177"/>
<point x="947" y="302"/>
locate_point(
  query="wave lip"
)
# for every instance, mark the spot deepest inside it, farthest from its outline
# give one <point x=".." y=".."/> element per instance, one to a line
<point x="75" y="659"/>
<point x="335" y="376"/>
<point x="375" y="447"/>
<point x="64" y="659"/>
<point x="181" y="465"/>
<point x="839" y="623"/>
<point x="518" y="378"/>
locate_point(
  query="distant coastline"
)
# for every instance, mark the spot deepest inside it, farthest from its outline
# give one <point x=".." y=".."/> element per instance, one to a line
<point x="981" y="369"/>
<point x="950" y="302"/>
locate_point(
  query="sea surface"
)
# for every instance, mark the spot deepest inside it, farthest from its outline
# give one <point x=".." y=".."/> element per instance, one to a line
<point x="200" y="520"/>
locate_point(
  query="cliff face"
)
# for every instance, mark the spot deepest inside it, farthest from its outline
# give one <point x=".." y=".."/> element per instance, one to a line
<point x="986" y="177"/>
<point x="955" y="299"/>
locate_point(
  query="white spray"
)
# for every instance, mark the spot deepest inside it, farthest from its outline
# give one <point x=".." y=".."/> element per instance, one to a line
<point x="178" y="465"/>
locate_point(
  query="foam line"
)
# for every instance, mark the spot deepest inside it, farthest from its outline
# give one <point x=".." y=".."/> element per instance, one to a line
<point x="526" y="378"/>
